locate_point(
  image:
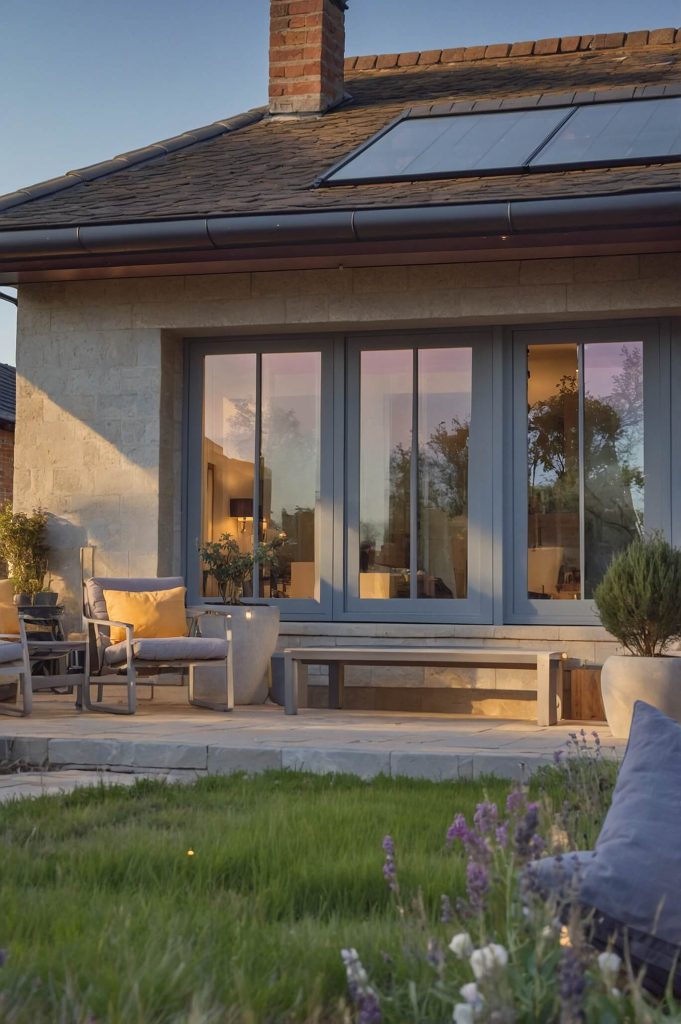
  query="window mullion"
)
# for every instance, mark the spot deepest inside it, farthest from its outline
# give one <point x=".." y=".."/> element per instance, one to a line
<point x="581" y="448"/>
<point x="414" y="481"/>
<point x="256" y="469"/>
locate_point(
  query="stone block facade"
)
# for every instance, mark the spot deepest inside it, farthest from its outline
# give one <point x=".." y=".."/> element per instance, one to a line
<point x="100" y="388"/>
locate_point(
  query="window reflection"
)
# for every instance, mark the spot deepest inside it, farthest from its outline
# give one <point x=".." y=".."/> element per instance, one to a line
<point x="585" y="486"/>
<point x="287" y="480"/>
<point x="444" y="414"/>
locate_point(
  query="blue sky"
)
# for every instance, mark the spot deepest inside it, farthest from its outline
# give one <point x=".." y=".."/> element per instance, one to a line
<point x="82" y="80"/>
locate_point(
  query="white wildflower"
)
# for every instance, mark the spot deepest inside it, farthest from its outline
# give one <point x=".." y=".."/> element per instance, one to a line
<point x="609" y="965"/>
<point x="463" y="1014"/>
<point x="461" y="945"/>
<point x="470" y="993"/>
<point x="487" y="960"/>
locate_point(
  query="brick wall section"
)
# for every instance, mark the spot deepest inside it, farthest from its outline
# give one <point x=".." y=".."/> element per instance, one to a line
<point x="307" y="47"/>
<point x="530" y="47"/>
<point x="6" y="464"/>
<point x="99" y="374"/>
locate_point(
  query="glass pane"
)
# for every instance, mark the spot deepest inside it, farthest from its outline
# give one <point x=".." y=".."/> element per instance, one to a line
<point x="446" y="145"/>
<point x="487" y="141"/>
<point x="290" y="470"/>
<point x="616" y="131"/>
<point x="444" y="414"/>
<point x="385" y="473"/>
<point x="228" y="451"/>
<point x="613" y="453"/>
<point x="553" y="558"/>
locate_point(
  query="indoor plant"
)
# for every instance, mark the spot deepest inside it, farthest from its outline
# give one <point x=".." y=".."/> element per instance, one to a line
<point x="255" y="627"/>
<point x="639" y="603"/>
<point x="23" y="546"/>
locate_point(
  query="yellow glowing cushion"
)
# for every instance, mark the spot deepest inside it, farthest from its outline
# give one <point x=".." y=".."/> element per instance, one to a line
<point x="9" y="617"/>
<point x="152" y="613"/>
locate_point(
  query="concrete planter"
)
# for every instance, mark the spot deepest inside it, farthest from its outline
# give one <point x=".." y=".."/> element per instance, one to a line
<point x="255" y="629"/>
<point x="626" y="679"/>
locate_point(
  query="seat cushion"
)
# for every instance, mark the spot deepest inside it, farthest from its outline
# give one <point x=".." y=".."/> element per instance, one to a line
<point x="152" y="613"/>
<point x="173" y="648"/>
<point x="9" y="617"/>
<point x="9" y="651"/>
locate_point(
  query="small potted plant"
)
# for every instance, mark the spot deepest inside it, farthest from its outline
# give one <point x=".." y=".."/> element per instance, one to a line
<point x="255" y="627"/>
<point x="23" y="546"/>
<point x="639" y="603"/>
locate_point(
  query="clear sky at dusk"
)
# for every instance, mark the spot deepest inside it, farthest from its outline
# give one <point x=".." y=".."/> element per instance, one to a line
<point x="82" y="80"/>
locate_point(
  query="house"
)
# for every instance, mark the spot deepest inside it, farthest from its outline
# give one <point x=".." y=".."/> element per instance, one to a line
<point x="420" y="313"/>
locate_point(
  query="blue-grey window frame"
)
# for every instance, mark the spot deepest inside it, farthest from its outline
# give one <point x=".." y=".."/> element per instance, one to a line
<point x="521" y="610"/>
<point x="477" y="607"/>
<point x="195" y="352"/>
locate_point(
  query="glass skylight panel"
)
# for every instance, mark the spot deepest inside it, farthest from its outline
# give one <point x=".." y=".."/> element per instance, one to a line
<point x="465" y="143"/>
<point x="614" y="132"/>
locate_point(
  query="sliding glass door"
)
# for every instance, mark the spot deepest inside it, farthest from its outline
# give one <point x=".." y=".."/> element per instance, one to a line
<point x="417" y="478"/>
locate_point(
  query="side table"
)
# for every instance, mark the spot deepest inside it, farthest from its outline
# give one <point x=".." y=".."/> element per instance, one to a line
<point x="66" y="668"/>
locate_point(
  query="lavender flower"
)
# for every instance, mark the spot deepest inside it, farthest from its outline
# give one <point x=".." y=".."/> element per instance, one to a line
<point x="485" y="817"/>
<point x="389" y="867"/>
<point x="434" y="955"/>
<point x="515" y="801"/>
<point x="557" y="755"/>
<point x="361" y="993"/>
<point x="477" y="884"/>
<point x="571" y="986"/>
<point x="446" y="912"/>
<point x="458" y="829"/>
<point x="501" y="834"/>
<point x="526" y="829"/>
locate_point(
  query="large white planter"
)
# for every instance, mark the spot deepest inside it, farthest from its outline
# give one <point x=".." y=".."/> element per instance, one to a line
<point x="627" y="678"/>
<point x="255" y="629"/>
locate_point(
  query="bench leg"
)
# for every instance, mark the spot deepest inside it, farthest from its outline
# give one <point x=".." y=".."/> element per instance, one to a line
<point x="295" y="685"/>
<point x="549" y="687"/>
<point x="336" y="684"/>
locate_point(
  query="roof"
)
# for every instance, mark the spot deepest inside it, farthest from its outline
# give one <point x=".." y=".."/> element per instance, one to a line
<point x="8" y="393"/>
<point x="258" y="164"/>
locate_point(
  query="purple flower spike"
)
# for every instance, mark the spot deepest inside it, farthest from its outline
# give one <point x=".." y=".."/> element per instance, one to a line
<point x="485" y="817"/>
<point x="515" y="801"/>
<point x="446" y="913"/>
<point x="458" y="829"/>
<point x="502" y="834"/>
<point x="557" y="755"/>
<point x="477" y="883"/>
<point x="389" y="845"/>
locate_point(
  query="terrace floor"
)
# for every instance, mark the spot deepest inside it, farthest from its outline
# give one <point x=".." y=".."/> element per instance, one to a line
<point x="180" y="741"/>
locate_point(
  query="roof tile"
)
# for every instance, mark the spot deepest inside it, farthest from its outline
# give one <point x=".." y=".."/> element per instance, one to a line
<point x="660" y="36"/>
<point x="430" y="56"/>
<point x="522" y="49"/>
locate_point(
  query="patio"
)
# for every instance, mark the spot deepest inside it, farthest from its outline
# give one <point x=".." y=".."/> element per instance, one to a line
<point x="181" y="742"/>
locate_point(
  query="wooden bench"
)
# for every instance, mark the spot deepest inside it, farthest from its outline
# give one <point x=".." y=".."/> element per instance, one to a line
<point x="547" y="664"/>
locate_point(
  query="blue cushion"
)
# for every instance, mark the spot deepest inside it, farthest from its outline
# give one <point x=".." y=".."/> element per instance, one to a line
<point x="633" y="881"/>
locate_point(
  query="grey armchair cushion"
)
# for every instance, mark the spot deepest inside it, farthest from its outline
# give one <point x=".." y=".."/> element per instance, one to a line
<point x="96" y="585"/>
<point x="170" y="648"/>
<point x="10" y="651"/>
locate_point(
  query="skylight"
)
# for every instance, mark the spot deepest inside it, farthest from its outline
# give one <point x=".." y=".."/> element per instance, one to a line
<point x="634" y="131"/>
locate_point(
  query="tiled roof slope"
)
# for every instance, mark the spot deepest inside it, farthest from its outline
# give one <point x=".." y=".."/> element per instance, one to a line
<point x="269" y="165"/>
<point x="8" y="393"/>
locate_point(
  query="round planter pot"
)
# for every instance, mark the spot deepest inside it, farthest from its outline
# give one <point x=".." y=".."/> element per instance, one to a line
<point x="255" y="629"/>
<point x="627" y="678"/>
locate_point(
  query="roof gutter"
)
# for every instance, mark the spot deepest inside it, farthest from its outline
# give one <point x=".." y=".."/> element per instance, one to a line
<point x="654" y="209"/>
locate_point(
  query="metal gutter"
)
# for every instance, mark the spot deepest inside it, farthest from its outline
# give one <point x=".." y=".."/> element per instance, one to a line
<point x="587" y="214"/>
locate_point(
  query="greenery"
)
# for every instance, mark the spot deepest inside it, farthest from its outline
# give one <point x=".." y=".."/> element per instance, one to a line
<point x="23" y="546"/>
<point x="639" y="597"/>
<point x="230" y="901"/>
<point x="231" y="567"/>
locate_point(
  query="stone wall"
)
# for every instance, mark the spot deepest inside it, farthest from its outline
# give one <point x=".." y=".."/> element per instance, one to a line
<point x="6" y="464"/>
<point x="99" y="373"/>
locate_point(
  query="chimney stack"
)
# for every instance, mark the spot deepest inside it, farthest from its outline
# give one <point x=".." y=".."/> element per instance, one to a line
<point x="307" y="48"/>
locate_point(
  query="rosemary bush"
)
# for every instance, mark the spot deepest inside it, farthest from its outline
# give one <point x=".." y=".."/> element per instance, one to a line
<point x="23" y="546"/>
<point x="639" y="597"/>
<point x="231" y="567"/>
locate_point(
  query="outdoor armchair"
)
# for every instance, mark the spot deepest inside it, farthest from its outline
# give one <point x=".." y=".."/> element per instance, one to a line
<point x="15" y="664"/>
<point x="133" y="659"/>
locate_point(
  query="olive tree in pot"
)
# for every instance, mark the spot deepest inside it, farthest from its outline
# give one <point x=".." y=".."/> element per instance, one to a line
<point x="23" y="546"/>
<point x="255" y="627"/>
<point x="639" y="603"/>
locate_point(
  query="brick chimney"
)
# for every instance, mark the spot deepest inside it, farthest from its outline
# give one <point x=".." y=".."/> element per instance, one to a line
<point x="307" y="47"/>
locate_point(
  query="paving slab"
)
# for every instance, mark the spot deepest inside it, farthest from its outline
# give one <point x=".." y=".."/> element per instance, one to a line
<point x="166" y="738"/>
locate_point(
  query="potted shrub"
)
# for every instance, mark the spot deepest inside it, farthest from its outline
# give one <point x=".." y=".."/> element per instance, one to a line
<point x="639" y="603"/>
<point x="255" y="627"/>
<point x="23" y="546"/>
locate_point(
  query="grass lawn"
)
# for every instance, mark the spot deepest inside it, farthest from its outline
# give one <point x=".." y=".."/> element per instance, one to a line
<point x="105" y="917"/>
